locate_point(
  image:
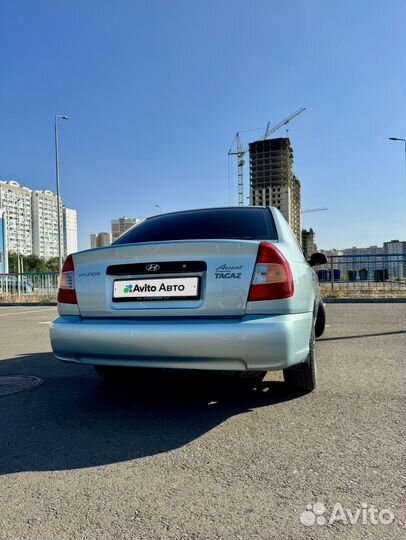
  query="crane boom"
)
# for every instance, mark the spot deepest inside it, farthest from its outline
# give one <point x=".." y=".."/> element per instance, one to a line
<point x="270" y="130"/>
<point x="313" y="210"/>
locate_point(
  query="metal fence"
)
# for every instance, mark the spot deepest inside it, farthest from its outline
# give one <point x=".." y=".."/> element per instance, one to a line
<point x="375" y="275"/>
<point x="37" y="286"/>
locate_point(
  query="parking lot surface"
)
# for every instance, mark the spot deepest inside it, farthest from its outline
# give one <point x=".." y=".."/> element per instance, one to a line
<point x="181" y="458"/>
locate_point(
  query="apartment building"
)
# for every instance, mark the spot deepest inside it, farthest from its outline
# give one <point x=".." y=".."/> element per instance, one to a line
<point x="31" y="218"/>
<point x="397" y="250"/>
<point x="394" y="247"/>
<point x="99" y="240"/>
<point x="45" y="224"/>
<point x="367" y="258"/>
<point x="70" y="230"/>
<point x="371" y="250"/>
<point x="308" y="244"/>
<point x="15" y="201"/>
<point x="120" y="225"/>
<point x="332" y="252"/>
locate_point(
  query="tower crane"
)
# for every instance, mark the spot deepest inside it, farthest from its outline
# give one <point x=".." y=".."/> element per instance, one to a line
<point x="237" y="149"/>
<point x="240" y="152"/>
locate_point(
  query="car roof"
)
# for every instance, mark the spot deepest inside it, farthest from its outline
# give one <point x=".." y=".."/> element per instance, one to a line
<point x="244" y="208"/>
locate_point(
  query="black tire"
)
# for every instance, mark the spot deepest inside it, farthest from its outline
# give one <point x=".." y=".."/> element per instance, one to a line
<point x="303" y="377"/>
<point x="320" y="320"/>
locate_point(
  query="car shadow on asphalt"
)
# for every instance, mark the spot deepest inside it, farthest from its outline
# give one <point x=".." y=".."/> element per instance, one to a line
<point x="359" y="336"/>
<point x="75" y="420"/>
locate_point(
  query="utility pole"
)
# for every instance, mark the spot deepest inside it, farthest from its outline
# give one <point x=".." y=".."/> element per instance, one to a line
<point x="63" y="117"/>
<point x="400" y="140"/>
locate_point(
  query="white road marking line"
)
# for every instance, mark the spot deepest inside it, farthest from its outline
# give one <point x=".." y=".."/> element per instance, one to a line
<point x="40" y="310"/>
<point x="44" y="322"/>
<point x="327" y="326"/>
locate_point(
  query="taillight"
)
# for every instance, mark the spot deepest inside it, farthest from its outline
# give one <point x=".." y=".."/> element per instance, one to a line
<point x="66" y="292"/>
<point x="272" y="277"/>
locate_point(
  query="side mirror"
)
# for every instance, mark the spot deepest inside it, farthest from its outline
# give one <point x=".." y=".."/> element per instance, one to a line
<point x="317" y="258"/>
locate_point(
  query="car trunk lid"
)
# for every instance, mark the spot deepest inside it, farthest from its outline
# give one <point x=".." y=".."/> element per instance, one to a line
<point x="117" y="281"/>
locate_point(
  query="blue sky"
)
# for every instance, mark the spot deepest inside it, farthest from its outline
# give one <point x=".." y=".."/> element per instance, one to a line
<point x="156" y="90"/>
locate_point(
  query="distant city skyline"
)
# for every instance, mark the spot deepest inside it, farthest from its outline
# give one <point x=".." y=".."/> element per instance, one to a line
<point x="156" y="91"/>
<point x="389" y="247"/>
<point x="120" y="225"/>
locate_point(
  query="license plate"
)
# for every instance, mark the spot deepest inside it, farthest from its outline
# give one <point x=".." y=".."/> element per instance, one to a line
<point x="156" y="289"/>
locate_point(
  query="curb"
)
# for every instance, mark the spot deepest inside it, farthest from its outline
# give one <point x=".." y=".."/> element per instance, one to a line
<point x="25" y="304"/>
<point x="364" y="300"/>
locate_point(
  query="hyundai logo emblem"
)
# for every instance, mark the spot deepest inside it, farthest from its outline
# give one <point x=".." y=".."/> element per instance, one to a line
<point x="153" y="267"/>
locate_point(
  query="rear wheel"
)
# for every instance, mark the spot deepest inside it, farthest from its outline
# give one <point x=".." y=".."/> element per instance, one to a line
<point x="320" y="320"/>
<point x="303" y="376"/>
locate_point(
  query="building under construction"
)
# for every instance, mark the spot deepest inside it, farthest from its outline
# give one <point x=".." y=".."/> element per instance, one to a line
<point x="308" y="244"/>
<point x="272" y="182"/>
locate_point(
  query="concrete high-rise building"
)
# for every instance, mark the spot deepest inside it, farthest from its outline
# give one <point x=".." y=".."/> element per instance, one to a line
<point x="308" y="243"/>
<point x="45" y="224"/>
<point x="15" y="200"/>
<point x="120" y="225"/>
<point x="70" y="230"/>
<point x="99" y="240"/>
<point x="32" y="221"/>
<point x="394" y="247"/>
<point x="272" y="182"/>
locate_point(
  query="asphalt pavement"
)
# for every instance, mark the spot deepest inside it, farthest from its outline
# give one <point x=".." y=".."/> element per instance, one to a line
<point x="185" y="458"/>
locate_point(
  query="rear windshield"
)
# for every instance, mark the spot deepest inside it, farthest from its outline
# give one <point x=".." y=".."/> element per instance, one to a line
<point x="216" y="223"/>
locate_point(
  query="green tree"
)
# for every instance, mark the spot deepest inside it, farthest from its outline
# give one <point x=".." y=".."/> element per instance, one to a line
<point x="12" y="262"/>
<point x="52" y="265"/>
<point x="33" y="263"/>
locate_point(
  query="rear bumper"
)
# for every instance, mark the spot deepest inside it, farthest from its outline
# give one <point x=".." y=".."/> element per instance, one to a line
<point x="249" y="343"/>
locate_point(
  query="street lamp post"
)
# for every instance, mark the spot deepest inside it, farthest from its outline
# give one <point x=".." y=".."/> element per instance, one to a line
<point x="404" y="141"/>
<point x="19" y="260"/>
<point x="160" y="209"/>
<point x="17" y="245"/>
<point x="62" y="117"/>
<point x="17" y="249"/>
<point x="18" y="256"/>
